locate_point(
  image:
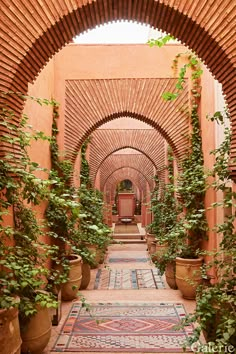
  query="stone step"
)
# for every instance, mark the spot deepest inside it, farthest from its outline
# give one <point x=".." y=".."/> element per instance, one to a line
<point x="133" y="241"/>
<point x="128" y="236"/>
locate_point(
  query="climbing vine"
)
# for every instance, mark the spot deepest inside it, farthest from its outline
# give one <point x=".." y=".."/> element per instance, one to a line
<point x="22" y="253"/>
<point x="215" y="313"/>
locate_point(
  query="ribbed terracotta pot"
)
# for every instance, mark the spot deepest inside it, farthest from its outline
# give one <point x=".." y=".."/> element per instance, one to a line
<point x="150" y="238"/>
<point x="170" y="275"/>
<point x="94" y="250"/>
<point x="10" y="339"/>
<point x="160" y="250"/>
<point x="36" y="335"/>
<point x="188" y="276"/>
<point x="70" y="289"/>
<point x="86" y="275"/>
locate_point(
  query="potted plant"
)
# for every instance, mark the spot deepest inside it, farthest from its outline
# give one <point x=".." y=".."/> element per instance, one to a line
<point x="215" y="313"/>
<point x="192" y="227"/>
<point x="23" y="265"/>
<point x="154" y="228"/>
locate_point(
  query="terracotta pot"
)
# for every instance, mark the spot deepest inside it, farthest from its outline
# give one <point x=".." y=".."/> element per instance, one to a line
<point x="94" y="250"/>
<point x="36" y="335"/>
<point x="160" y="250"/>
<point x="70" y="289"/>
<point x="170" y="275"/>
<point x="86" y="275"/>
<point x="188" y="270"/>
<point x="101" y="255"/>
<point x="10" y="339"/>
<point x="210" y="332"/>
<point x="150" y="238"/>
<point x="152" y="249"/>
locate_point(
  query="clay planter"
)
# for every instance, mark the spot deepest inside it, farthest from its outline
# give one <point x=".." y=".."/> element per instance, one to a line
<point x="70" y="289"/>
<point x="93" y="249"/>
<point x="210" y="333"/>
<point x="101" y="255"/>
<point x="86" y="275"/>
<point x="170" y="275"/>
<point x="37" y="333"/>
<point x="160" y="250"/>
<point x="10" y="339"/>
<point x="188" y="270"/>
<point x="150" y="238"/>
<point x="152" y="248"/>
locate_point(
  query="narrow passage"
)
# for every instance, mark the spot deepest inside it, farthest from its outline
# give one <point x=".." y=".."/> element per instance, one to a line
<point x="131" y="307"/>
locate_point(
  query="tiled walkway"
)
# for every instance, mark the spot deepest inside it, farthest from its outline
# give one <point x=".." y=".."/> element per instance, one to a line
<point x="134" y="251"/>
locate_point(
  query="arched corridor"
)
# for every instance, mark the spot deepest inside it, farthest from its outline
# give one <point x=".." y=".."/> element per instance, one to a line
<point x="127" y="278"/>
<point x="131" y="160"/>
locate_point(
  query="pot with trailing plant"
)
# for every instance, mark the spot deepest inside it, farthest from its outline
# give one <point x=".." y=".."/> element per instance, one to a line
<point x="215" y="313"/>
<point x="190" y="231"/>
<point x="23" y="261"/>
<point x="10" y="339"/>
<point x="192" y="225"/>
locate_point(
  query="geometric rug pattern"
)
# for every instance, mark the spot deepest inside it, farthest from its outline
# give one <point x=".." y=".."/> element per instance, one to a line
<point x="126" y="229"/>
<point x="123" y="327"/>
<point x="128" y="279"/>
<point x="127" y="260"/>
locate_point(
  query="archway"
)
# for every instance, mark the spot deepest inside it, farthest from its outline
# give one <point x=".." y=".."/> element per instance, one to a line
<point x="132" y="159"/>
<point x="30" y="37"/>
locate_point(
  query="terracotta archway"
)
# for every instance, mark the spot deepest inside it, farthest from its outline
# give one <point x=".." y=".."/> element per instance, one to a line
<point x="103" y="100"/>
<point x="120" y="174"/>
<point x="116" y="162"/>
<point x="148" y="142"/>
<point x="32" y="32"/>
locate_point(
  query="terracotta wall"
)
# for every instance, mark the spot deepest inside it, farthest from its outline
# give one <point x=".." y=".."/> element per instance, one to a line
<point x="40" y="117"/>
<point x="125" y="61"/>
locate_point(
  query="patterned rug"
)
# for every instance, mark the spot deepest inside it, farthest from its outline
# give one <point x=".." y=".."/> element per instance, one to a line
<point x="128" y="279"/>
<point x="126" y="229"/>
<point x="127" y="260"/>
<point x="123" y="327"/>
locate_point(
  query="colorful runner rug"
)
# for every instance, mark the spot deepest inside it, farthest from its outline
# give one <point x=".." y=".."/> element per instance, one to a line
<point x="127" y="260"/>
<point x="126" y="229"/>
<point x="123" y="327"/>
<point x="128" y="279"/>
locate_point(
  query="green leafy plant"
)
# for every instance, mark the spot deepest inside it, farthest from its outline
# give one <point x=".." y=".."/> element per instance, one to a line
<point x="91" y="227"/>
<point x="23" y="256"/>
<point x="215" y="313"/>
<point x="161" y="41"/>
<point x="165" y="217"/>
<point x="191" y="227"/>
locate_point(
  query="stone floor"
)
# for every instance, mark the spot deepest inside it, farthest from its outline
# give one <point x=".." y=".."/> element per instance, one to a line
<point x="91" y="295"/>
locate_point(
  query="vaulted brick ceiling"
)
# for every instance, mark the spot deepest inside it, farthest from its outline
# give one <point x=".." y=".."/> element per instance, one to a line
<point x="116" y="162"/>
<point x="32" y="32"/>
<point x="90" y="103"/>
<point x="105" y="142"/>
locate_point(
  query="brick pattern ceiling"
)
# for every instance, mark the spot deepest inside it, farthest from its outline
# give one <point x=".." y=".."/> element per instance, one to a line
<point x="138" y="162"/>
<point x="32" y="31"/>
<point x="106" y="142"/>
<point x="90" y="103"/>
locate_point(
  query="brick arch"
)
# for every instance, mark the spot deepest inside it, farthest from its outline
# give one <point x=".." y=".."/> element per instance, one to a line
<point x="32" y="32"/>
<point x="105" y="142"/>
<point x="138" y="161"/>
<point x="120" y="174"/>
<point x="103" y="100"/>
<point x="111" y="191"/>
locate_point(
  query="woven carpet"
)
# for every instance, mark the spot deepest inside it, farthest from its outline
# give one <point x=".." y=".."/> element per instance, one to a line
<point x="127" y="260"/>
<point x="128" y="279"/>
<point x="123" y="327"/>
<point x="126" y="229"/>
